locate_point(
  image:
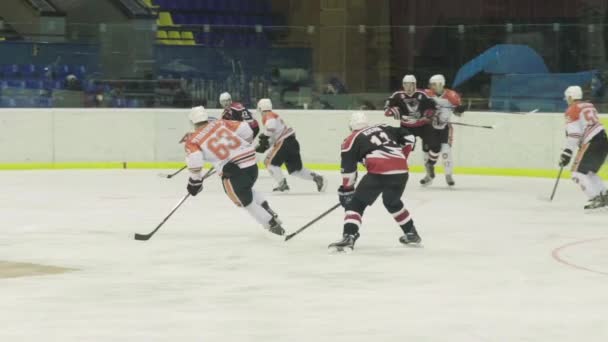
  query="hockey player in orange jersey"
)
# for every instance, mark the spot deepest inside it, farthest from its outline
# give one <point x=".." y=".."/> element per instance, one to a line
<point x="285" y="149"/>
<point x="227" y="145"/>
<point x="448" y="103"/>
<point x="585" y="132"/>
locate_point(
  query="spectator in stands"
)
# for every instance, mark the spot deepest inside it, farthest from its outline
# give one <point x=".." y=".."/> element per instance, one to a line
<point x="334" y="87"/>
<point x="181" y="98"/>
<point x="73" y="83"/>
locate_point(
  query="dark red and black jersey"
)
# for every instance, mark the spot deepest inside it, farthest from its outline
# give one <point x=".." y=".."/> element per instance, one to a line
<point x="379" y="148"/>
<point x="238" y="112"/>
<point x="413" y="110"/>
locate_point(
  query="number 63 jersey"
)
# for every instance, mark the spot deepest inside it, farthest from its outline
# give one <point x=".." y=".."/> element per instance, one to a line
<point x="218" y="143"/>
<point x="582" y="124"/>
<point x="379" y="148"/>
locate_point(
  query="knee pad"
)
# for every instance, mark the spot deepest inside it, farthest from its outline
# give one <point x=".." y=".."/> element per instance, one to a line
<point x="356" y="205"/>
<point x="393" y="206"/>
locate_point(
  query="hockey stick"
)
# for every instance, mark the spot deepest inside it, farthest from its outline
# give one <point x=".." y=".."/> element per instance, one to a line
<point x="290" y="236"/>
<point x="559" y="175"/>
<point x="171" y="175"/>
<point x="145" y="237"/>
<point x="470" y="125"/>
<point x="524" y="113"/>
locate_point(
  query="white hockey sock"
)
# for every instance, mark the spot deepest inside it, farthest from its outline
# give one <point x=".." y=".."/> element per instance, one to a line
<point x="597" y="181"/>
<point x="259" y="214"/>
<point x="587" y="184"/>
<point x="258" y="198"/>
<point x="448" y="161"/>
<point x="304" y="173"/>
<point x="276" y="173"/>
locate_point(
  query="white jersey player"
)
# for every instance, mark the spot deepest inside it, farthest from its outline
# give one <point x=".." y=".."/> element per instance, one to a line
<point x="227" y="145"/>
<point x="585" y="132"/>
<point x="448" y="103"/>
<point x="285" y="149"/>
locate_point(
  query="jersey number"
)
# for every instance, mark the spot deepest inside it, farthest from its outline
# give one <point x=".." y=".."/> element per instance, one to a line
<point x="383" y="139"/>
<point x="590" y="115"/>
<point x="222" y="143"/>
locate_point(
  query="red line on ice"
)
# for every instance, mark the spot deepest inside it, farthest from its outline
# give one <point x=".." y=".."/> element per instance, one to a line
<point x="557" y="257"/>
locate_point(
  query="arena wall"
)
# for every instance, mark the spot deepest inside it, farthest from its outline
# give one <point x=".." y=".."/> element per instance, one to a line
<point x="527" y="145"/>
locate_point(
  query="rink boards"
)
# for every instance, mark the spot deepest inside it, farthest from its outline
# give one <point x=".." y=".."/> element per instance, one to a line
<point x="520" y="145"/>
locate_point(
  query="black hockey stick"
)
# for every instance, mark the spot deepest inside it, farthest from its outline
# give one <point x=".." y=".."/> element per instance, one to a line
<point x="470" y="125"/>
<point x="145" y="237"/>
<point x="171" y="175"/>
<point x="559" y="175"/>
<point x="290" y="236"/>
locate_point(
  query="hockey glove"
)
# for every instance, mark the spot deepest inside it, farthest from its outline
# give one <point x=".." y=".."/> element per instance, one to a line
<point x="394" y="112"/>
<point x="459" y="110"/>
<point x="345" y="194"/>
<point x="194" y="186"/>
<point x="263" y="144"/>
<point x="564" y="159"/>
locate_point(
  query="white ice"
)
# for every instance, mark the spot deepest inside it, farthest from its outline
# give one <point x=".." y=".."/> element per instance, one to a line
<point x="491" y="268"/>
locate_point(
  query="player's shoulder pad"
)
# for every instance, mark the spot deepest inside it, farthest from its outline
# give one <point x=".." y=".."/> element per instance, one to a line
<point x="233" y="125"/>
<point x="397" y="93"/>
<point x="573" y="112"/>
<point x="453" y="97"/>
<point x="237" y="106"/>
<point x="348" y="143"/>
<point x="269" y="116"/>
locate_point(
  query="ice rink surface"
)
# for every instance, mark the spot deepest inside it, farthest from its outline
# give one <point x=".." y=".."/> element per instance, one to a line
<point x="499" y="263"/>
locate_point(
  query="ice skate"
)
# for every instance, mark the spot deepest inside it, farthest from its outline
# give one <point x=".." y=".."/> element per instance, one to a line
<point x="449" y="179"/>
<point x="599" y="202"/>
<point x="430" y="175"/>
<point x="320" y="181"/>
<point x="269" y="210"/>
<point x="282" y="187"/>
<point x="347" y="244"/>
<point x="275" y="227"/>
<point x="411" y="238"/>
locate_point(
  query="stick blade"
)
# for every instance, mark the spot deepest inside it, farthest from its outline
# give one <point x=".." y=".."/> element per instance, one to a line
<point x="142" y="237"/>
<point x="290" y="236"/>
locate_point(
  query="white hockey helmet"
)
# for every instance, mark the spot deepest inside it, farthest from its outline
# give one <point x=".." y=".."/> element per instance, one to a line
<point x="573" y="92"/>
<point x="264" y="105"/>
<point x="437" y="79"/>
<point x="198" y="115"/>
<point x="225" y="99"/>
<point x="409" y="79"/>
<point x="358" y="120"/>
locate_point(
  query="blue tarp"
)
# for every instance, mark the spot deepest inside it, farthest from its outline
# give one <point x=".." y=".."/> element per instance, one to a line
<point x="524" y="92"/>
<point x="502" y="59"/>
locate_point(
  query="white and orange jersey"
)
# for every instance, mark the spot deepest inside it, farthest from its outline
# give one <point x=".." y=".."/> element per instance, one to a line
<point x="582" y="124"/>
<point x="276" y="129"/>
<point x="446" y="103"/>
<point x="218" y="143"/>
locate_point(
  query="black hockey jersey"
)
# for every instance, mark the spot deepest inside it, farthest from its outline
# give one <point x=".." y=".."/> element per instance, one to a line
<point x="413" y="110"/>
<point x="379" y="148"/>
<point x="238" y="112"/>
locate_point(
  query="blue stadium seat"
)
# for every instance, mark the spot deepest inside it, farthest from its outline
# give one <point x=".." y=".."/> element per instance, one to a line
<point x="10" y="70"/>
<point x="19" y="84"/>
<point x="8" y="102"/>
<point x="179" y="18"/>
<point x="62" y="70"/>
<point x="45" y="102"/>
<point x="80" y="71"/>
<point x="28" y="70"/>
<point x="132" y="103"/>
<point x="34" y="84"/>
<point x="3" y="84"/>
